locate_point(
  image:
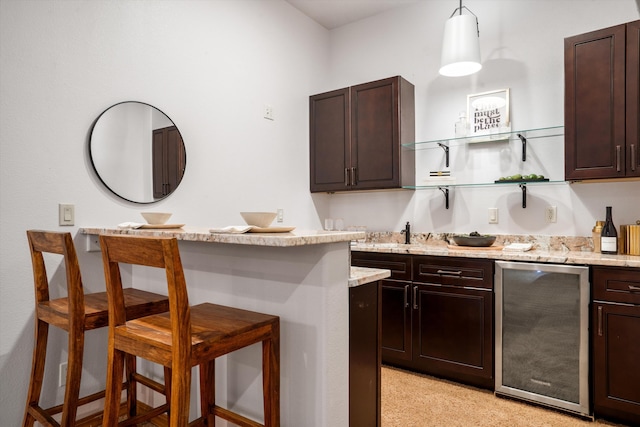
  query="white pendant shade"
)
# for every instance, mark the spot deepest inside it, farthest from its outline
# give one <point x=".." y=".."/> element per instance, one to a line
<point x="460" y="47"/>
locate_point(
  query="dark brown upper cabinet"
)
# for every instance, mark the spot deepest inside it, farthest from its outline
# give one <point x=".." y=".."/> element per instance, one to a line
<point x="356" y="136"/>
<point x="169" y="159"/>
<point x="602" y="103"/>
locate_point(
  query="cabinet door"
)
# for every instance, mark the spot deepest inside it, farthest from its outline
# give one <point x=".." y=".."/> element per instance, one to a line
<point x="595" y="104"/>
<point x="377" y="133"/>
<point x="396" y="321"/>
<point x="633" y="98"/>
<point x="329" y="141"/>
<point x="169" y="159"/>
<point x="453" y="333"/>
<point x="616" y="354"/>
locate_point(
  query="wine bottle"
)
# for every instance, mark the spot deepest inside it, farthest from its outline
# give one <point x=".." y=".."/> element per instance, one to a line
<point x="609" y="236"/>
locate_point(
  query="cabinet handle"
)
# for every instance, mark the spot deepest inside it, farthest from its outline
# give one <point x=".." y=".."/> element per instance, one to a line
<point x="618" y="158"/>
<point x="450" y="273"/>
<point x="634" y="288"/>
<point x="406" y="296"/>
<point x="353" y="176"/>
<point x="346" y="177"/>
<point x="600" y="321"/>
<point x="634" y="160"/>
<point x="415" y="297"/>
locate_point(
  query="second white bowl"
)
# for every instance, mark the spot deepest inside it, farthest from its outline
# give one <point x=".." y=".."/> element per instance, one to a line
<point x="259" y="219"/>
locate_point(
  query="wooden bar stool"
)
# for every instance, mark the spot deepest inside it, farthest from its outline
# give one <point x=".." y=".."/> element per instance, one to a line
<point x="185" y="337"/>
<point x="76" y="313"/>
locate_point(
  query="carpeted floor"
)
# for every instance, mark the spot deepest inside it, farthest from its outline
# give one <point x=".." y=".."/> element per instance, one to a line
<point x="415" y="400"/>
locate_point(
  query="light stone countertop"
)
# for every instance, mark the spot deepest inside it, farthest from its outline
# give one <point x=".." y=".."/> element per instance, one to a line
<point x="202" y="234"/>
<point x="550" y="256"/>
<point x="363" y="275"/>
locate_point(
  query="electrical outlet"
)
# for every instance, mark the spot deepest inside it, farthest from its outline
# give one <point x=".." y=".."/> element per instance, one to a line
<point x="551" y="214"/>
<point x="280" y="215"/>
<point x="62" y="375"/>
<point x="493" y="215"/>
<point x="268" y="112"/>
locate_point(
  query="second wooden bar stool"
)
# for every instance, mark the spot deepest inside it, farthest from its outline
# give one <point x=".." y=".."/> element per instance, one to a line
<point x="185" y="337"/>
<point x="76" y="313"/>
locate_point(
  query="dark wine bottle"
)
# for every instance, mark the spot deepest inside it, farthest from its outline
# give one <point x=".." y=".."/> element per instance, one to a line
<point x="609" y="236"/>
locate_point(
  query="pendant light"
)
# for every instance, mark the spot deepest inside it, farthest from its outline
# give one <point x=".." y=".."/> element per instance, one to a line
<point x="461" y="45"/>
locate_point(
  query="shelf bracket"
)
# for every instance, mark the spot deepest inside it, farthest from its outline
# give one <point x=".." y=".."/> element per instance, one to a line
<point x="523" y="187"/>
<point x="446" y="153"/>
<point x="524" y="147"/>
<point x="445" y="191"/>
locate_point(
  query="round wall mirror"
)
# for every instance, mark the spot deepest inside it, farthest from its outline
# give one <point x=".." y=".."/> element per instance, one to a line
<point x="137" y="152"/>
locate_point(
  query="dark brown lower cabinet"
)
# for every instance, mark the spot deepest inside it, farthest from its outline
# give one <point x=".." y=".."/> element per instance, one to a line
<point x="616" y="343"/>
<point x="396" y="321"/>
<point x="437" y="315"/>
<point x="395" y="302"/>
<point x="453" y="333"/>
<point x="453" y="318"/>
<point x="364" y="355"/>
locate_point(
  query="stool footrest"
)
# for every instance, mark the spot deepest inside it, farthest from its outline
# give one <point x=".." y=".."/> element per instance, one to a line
<point x="235" y="418"/>
<point x="152" y="413"/>
<point x="148" y="382"/>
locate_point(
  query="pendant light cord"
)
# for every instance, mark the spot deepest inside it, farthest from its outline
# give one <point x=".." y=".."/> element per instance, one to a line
<point x="459" y="10"/>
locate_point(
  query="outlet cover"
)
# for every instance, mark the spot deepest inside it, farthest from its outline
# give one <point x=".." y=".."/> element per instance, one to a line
<point x="551" y="214"/>
<point x="493" y="215"/>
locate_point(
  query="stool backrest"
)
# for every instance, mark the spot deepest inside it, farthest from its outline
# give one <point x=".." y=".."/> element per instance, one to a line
<point x="62" y="244"/>
<point x="159" y="252"/>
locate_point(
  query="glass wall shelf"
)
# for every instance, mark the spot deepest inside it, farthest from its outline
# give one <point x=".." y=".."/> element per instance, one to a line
<point x="516" y="135"/>
<point x="480" y="184"/>
<point x="445" y="182"/>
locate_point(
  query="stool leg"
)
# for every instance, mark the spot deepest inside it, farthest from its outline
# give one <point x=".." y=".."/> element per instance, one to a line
<point x="271" y="377"/>
<point x="167" y="389"/>
<point x="132" y="385"/>
<point x="37" y="370"/>
<point x="208" y="392"/>
<point x="115" y="367"/>
<point x="180" y="394"/>
<point x="74" y="375"/>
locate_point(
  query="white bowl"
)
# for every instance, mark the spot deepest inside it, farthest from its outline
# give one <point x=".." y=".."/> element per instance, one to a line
<point x="259" y="219"/>
<point x="156" y="218"/>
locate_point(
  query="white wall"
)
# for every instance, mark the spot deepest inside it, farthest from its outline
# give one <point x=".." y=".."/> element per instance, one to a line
<point x="522" y="49"/>
<point x="211" y="66"/>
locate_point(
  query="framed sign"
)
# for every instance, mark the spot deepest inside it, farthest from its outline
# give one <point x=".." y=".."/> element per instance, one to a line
<point x="488" y="115"/>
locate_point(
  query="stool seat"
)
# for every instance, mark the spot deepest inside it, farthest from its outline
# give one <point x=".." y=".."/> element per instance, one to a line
<point x="96" y="308"/>
<point x="185" y="337"/>
<point x="75" y="313"/>
<point x="215" y="331"/>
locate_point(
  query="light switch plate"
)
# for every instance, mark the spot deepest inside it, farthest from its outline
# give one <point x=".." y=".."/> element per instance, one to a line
<point x="66" y="214"/>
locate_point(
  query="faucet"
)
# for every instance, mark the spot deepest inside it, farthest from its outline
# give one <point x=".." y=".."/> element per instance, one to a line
<point x="407" y="233"/>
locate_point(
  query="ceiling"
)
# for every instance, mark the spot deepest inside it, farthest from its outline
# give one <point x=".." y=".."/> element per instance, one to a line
<point x="335" y="13"/>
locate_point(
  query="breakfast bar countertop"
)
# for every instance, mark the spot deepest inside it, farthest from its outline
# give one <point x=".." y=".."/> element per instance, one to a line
<point x="203" y="234"/>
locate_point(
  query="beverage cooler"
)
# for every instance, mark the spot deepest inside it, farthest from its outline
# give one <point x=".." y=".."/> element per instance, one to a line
<point x="542" y="334"/>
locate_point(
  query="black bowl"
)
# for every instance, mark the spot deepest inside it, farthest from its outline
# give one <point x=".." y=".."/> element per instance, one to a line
<point x="477" y="241"/>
